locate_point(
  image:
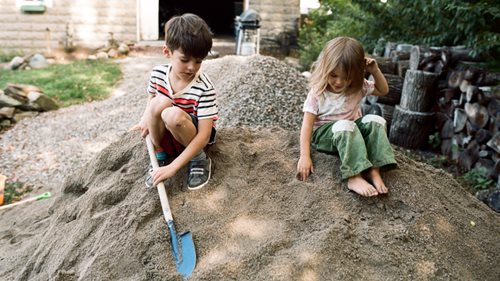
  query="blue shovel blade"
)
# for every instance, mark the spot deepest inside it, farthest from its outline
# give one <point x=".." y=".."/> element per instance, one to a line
<point x="186" y="264"/>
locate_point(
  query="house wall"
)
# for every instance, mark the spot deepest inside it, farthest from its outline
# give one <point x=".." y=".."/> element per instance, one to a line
<point x="89" y="22"/>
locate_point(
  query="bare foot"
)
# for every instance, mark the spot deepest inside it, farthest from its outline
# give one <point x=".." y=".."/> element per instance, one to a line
<point x="359" y="185"/>
<point x="374" y="176"/>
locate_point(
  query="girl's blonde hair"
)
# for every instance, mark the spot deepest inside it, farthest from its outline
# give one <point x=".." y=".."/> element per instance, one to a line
<point x="345" y="53"/>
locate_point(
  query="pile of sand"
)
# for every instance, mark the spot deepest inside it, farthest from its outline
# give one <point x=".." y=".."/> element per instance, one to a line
<point x="254" y="220"/>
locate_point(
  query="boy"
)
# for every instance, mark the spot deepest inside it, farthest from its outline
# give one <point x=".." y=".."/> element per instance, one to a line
<point x="181" y="111"/>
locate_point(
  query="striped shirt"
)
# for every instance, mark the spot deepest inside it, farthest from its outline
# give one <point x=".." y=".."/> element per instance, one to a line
<point x="197" y="98"/>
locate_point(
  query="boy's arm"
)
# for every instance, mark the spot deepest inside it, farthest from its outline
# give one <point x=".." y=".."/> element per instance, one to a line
<point x="381" y="87"/>
<point x="305" y="166"/>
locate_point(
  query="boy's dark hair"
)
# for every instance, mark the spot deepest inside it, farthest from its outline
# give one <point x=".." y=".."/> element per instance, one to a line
<point x="190" y="33"/>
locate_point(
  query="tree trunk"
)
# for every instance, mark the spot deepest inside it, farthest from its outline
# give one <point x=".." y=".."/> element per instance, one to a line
<point x="410" y="129"/>
<point x="418" y="91"/>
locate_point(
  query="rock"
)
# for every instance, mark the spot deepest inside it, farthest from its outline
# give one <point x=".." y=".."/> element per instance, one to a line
<point x="8" y="101"/>
<point x="102" y="55"/>
<point x="123" y="49"/>
<point x="113" y="53"/>
<point x="42" y="101"/>
<point x="24" y="114"/>
<point x="494" y="201"/>
<point x="15" y="63"/>
<point x="7" y="112"/>
<point x="5" y="123"/>
<point x="38" y="61"/>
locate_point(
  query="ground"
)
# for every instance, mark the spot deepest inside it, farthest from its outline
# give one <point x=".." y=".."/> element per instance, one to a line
<point x="253" y="221"/>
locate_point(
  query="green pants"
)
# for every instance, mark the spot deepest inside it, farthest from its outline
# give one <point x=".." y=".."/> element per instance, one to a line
<point x="361" y="144"/>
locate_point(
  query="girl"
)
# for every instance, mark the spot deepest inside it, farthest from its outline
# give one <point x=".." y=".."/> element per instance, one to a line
<point x="333" y="122"/>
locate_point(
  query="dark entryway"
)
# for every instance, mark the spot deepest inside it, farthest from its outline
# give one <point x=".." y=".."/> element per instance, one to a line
<point x="219" y="14"/>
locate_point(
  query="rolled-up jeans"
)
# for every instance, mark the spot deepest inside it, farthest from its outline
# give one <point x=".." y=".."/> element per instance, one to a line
<point x="360" y="144"/>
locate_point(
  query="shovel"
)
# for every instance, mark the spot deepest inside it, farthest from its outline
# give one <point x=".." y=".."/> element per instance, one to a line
<point x="36" y="198"/>
<point x="185" y="255"/>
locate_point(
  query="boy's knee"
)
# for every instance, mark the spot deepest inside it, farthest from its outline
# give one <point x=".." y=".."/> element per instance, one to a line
<point x="174" y="117"/>
<point x="158" y="104"/>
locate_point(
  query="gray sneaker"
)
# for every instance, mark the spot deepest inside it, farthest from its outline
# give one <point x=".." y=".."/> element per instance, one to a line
<point x="199" y="173"/>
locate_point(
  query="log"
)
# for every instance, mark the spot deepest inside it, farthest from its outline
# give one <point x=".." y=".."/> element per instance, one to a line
<point x="459" y="120"/>
<point x="494" y="142"/>
<point x="445" y="107"/>
<point x="416" y="54"/>
<point x="402" y="67"/>
<point x="450" y="93"/>
<point x="477" y="114"/>
<point x="389" y="46"/>
<point x="410" y="129"/>
<point x="455" y="78"/>
<point x="472" y="93"/>
<point x="424" y="58"/>
<point x="418" y="91"/>
<point x="440" y="119"/>
<point x="446" y="147"/>
<point x="395" y="88"/>
<point x="447" y="130"/>
<point x="493" y="107"/>
<point x="467" y="158"/>
<point x="494" y="126"/>
<point x="483" y="136"/>
<point x="386" y="65"/>
<point x="471" y="129"/>
<point x="396" y="56"/>
<point x="383" y="110"/>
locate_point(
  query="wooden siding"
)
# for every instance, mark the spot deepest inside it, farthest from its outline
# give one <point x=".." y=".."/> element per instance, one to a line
<point x="90" y="22"/>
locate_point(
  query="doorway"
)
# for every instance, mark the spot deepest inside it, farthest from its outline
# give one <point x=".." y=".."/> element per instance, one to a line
<point x="219" y="14"/>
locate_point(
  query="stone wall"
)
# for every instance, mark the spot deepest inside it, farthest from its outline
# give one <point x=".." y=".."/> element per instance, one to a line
<point x="280" y="19"/>
<point x="65" y="22"/>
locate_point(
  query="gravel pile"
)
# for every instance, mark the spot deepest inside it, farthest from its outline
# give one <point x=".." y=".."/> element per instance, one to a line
<point x="252" y="91"/>
<point x="257" y="91"/>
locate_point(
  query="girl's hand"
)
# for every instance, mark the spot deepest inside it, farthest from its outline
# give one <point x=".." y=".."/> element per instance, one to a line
<point x="304" y="168"/>
<point x="371" y="65"/>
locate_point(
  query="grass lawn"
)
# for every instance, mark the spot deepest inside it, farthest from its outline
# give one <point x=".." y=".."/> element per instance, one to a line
<point x="73" y="83"/>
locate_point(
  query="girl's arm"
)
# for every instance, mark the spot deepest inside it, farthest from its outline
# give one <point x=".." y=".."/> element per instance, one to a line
<point x="305" y="166"/>
<point x="381" y="87"/>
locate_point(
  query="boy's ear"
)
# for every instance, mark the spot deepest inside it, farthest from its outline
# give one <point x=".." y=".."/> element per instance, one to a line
<point x="166" y="51"/>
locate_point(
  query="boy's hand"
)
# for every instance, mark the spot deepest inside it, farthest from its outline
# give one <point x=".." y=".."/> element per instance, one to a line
<point x="163" y="173"/>
<point x="304" y="168"/>
<point x="140" y="127"/>
<point x="371" y="65"/>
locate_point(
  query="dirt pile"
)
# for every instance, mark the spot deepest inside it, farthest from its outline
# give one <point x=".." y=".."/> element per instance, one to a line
<point x="255" y="221"/>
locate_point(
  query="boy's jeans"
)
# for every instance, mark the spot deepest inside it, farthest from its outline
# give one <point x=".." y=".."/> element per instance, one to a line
<point x="361" y="144"/>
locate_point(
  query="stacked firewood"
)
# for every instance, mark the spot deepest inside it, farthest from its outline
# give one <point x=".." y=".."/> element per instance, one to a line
<point x="467" y="106"/>
<point x="443" y="93"/>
